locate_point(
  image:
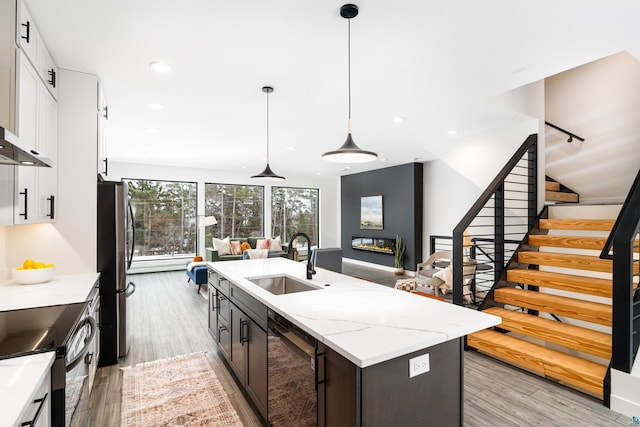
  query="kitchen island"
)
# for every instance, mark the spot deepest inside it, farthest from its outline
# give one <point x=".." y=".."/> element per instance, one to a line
<point x="387" y="357"/>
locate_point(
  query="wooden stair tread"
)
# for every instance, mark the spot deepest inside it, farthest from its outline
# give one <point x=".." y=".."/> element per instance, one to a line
<point x="575" y="242"/>
<point x="567" y="282"/>
<point x="560" y="196"/>
<point x="577" y="224"/>
<point x="573" y="370"/>
<point x="580" y="262"/>
<point x="588" y="311"/>
<point x="552" y="186"/>
<point x="570" y="336"/>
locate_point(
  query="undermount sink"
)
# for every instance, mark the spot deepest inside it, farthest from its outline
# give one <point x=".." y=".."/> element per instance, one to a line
<point x="282" y="284"/>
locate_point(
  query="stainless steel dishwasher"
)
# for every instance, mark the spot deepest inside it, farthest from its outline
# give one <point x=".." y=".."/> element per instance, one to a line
<point x="292" y="376"/>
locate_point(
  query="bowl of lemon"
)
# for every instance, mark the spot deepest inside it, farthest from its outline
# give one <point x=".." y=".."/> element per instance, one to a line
<point x="31" y="272"/>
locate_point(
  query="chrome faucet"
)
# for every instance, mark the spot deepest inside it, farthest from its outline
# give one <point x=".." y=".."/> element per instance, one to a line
<point x="310" y="270"/>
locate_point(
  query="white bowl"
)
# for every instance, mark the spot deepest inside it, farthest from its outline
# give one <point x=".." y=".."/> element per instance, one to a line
<point x="31" y="276"/>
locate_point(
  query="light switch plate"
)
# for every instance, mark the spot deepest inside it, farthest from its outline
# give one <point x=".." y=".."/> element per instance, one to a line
<point x="419" y="365"/>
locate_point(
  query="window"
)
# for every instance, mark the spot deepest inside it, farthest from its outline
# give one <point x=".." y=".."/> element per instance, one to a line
<point x="294" y="210"/>
<point x="164" y="218"/>
<point x="238" y="208"/>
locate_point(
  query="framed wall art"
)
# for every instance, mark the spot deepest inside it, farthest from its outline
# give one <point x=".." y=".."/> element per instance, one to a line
<point x="371" y="213"/>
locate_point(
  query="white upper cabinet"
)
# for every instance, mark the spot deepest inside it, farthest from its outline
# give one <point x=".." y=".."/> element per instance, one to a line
<point x="29" y="40"/>
<point x="37" y="124"/>
<point x="103" y="116"/>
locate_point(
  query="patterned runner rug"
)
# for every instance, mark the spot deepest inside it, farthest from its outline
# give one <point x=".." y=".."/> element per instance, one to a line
<point x="181" y="391"/>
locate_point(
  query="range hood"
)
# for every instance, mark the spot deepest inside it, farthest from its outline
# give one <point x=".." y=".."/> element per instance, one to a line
<point x="16" y="152"/>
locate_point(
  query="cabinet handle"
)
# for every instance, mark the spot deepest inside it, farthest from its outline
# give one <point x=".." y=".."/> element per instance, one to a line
<point x="52" y="203"/>
<point x="37" y="415"/>
<point x="221" y="328"/>
<point x="244" y="336"/>
<point x="28" y="27"/>
<point x="52" y="74"/>
<point x="106" y="112"/>
<point x="25" y="193"/>
<point x="106" y="165"/>
<point x="88" y="358"/>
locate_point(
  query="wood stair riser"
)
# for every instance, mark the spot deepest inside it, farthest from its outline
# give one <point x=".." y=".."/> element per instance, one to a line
<point x="576" y="224"/>
<point x="567" y="282"/>
<point x="580" y="373"/>
<point x="559" y="196"/>
<point x="551" y="186"/>
<point x="553" y="259"/>
<point x="561" y="306"/>
<point x="574" y="242"/>
<point x="569" y="336"/>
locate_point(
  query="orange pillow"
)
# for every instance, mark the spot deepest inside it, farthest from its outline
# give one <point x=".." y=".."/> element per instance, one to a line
<point x="197" y="259"/>
<point x="244" y="246"/>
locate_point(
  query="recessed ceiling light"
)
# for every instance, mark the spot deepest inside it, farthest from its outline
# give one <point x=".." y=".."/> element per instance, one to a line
<point x="383" y="160"/>
<point x="415" y="159"/>
<point x="155" y="106"/>
<point x="397" y="119"/>
<point x="160" y="67"/>
<point x="291" y="147"/>
<point x="452" y="132"/>
<point x="346" y="168"/>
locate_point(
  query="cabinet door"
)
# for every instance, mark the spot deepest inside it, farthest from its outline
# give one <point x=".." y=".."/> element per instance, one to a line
<point x="27" y="36"/>
<point x="28" y="116"/>
<point x="48" y="145"/>
<point x="257" y="366"/>
<point x="47" y="69"/>
<point x="239" y="337"/>
<point x="103" y="115"/>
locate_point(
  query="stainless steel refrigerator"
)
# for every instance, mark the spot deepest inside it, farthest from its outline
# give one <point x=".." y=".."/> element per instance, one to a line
<point x="116" y="235"/>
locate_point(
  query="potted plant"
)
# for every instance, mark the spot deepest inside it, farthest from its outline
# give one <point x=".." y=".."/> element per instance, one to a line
<point x="398" y="253"/>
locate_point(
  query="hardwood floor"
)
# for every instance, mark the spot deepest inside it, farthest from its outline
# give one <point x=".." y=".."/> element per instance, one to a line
<point x="171" y="319"/>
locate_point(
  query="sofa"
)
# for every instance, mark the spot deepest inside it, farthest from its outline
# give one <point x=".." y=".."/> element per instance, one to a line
<point x="212" y="254"/>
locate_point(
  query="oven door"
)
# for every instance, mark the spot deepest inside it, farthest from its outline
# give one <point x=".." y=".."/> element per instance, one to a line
<point x="80" y="357"/>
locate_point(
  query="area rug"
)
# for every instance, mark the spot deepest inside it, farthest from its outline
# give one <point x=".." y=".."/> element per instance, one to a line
<point x="73" y="389"/>
<point x="180" y="391"/>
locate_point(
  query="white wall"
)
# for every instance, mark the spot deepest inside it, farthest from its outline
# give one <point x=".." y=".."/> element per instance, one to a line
<point x="600" y="102"/>
<point x="329" y="192"/>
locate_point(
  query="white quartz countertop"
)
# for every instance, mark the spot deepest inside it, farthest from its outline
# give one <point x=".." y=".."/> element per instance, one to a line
<point x="365" y="322"/>
<point x="19" y="377"/>
<point x="68" y="289"/>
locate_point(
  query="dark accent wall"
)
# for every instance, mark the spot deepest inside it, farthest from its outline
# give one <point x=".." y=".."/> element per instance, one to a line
<point x="401" y="191"/>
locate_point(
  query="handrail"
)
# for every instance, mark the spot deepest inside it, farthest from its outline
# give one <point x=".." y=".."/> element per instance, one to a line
<point x="626" y="303"/>
<point x="496" y="224"/>
<point x="606" y="249"/>
<point x="571" y="135"/>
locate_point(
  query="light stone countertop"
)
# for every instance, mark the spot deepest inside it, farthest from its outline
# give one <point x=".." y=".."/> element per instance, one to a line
<point x="67" y="289"/>
<point x="19" y="377"/>
<point x="365" y="322"/>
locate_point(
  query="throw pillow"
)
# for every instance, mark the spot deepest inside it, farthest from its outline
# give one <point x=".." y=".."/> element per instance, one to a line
<point x="276" y="244"/>
<point x="222" y="246"/>
<point x="244" y="246"/>
<point x="197" y="259"/>
<point x="236" y="247"/>
<point x="263" y="243"/>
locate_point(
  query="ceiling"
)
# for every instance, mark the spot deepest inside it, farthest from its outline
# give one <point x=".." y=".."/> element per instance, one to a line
<point x="436" y="64"/>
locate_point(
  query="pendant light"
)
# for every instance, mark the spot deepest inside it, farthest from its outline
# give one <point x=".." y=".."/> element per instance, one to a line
<point x="267" y="174"/>
<point x="349" y="152"/>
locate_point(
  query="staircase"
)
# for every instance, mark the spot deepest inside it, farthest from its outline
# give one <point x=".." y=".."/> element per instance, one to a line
<point x="555" y="306"/>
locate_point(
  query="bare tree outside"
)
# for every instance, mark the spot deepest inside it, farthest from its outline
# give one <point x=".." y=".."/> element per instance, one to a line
<point x="239" y="210"/>
<point x="294" y="210"/>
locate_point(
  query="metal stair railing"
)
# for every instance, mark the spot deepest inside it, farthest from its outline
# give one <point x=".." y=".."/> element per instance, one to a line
<point x="623" y="248"/>
<point x="491" y="231"/>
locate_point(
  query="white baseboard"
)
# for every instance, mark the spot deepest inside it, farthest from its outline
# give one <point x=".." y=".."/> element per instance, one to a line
<point x="624" y="393"/>
<point x="157" y="265"/>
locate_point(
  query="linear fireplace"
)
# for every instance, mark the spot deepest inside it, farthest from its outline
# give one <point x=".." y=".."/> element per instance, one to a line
<point x="373" y="244"/>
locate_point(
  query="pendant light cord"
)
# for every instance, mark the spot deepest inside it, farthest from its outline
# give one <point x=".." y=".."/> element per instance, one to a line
<point x="267" y="128"/>
<point x="349" y="68"/>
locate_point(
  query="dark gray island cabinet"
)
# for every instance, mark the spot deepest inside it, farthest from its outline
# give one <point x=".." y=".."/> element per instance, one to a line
<point x="419" y="388"/>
